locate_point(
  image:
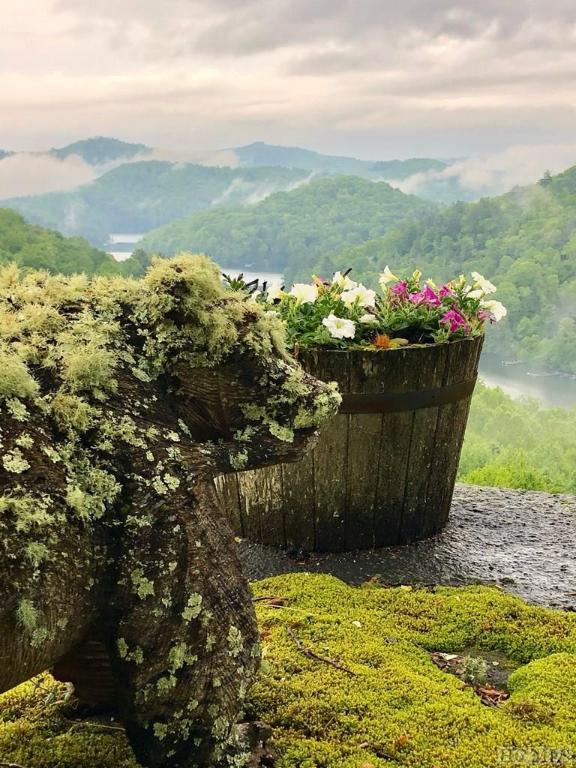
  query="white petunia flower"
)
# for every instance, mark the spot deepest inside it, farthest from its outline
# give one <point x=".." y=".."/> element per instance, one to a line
<point x="274" y="290"/>
<point x="339" y="327"/>
<point x="387" y="277"/>
<point x="496" y="308"/>
<point x="477" y="293"/>
<point x="367" y="318"/>
<point x="361" y="295"/>
<point x="304" y="293"/>
<point x="343" y="281"/>
<point x="482" y="283"/>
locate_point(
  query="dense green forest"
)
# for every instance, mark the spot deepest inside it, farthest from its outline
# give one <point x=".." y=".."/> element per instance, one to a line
<point x="524" y="241"/>
<point x="33" y="246"/>
<point x="291" y="229"/>
<point x="517" y="444"/>
<point x="139" y="196"/>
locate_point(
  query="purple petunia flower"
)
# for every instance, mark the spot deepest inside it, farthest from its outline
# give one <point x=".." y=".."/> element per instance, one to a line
<point x="445" y="290"/>
<point x="483" y="315"/>
<point x="426" y="296"/>
<point x="400" y="288"/>
<point x="455" y="320"/>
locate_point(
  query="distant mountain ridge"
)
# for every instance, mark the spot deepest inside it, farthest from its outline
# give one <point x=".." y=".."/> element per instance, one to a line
<point x="259" y="153"/>
<point x="101" y="150"/>
<point x="100" y="186"/>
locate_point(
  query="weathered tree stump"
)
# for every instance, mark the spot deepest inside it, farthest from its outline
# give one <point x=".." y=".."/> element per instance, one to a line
<point x="120" y="401"/>
<point x="383" y="470"/>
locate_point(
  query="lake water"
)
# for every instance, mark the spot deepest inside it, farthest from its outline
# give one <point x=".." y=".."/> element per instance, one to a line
<point x="131" y="237"/>
<point x="551" y="390"/>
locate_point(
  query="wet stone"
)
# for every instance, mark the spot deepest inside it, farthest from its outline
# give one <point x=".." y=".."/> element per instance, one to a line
<point x="521" y="541"/>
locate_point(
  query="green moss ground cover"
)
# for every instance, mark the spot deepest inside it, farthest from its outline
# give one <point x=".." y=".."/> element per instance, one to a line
<point x="384" y="704"/>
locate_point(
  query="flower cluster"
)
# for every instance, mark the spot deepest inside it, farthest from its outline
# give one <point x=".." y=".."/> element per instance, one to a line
<point x="343" y="313"/>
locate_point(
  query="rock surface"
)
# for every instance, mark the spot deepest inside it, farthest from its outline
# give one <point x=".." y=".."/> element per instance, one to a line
<point x="523" y="541"/>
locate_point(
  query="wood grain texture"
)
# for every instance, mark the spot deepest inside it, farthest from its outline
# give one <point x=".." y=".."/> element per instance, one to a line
<point x="330" y="458"/>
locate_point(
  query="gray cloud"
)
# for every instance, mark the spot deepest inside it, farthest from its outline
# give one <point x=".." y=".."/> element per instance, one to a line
<point x="232" y="27"/>
<point x="497" y="173"/>
<point x="30" y="174"/>
<point x="370" y="77"/>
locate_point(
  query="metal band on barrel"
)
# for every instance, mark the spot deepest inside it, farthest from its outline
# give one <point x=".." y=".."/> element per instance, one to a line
<point x="396" y="402"/>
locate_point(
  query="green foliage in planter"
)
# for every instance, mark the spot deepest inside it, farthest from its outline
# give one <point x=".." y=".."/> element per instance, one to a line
<point x="397" y="709"/>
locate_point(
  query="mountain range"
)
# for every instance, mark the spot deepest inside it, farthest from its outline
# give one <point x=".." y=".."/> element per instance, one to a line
<point x="297" y="212"/>
<point x="127" y="187"/>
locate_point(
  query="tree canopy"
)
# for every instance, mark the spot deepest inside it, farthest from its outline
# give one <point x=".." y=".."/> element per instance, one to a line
<point x="35" y="247"/>
<point x="291" y="230"/>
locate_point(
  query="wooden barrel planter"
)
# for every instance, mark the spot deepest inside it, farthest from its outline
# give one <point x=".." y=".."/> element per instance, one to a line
<point x="384" y="469"/>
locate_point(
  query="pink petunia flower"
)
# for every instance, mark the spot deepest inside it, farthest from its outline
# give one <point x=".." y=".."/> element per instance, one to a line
<point x="484" y="315"/>
<point x="426" y="296"/>
<point x="400" y="288"/>
<point x="445" y="290"/>
<point x="455" y="319"/>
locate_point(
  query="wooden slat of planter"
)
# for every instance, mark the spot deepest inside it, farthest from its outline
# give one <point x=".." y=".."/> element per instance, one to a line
<point x="272" y="508"/>
<point x="330" y="460"/>
<point x="249" y="486"/>
<point x="427" y="372"/>
<point x="364" y="432"/>
<point x="228" y="495"/>
<point x="462" y="365"/>
<point x="298" y="487"/>
<point x="262" y="509"/>
<point x="395" y="375"/>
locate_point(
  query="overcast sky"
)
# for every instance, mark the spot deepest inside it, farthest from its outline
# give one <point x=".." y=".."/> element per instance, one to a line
<point x="370" y="78"/>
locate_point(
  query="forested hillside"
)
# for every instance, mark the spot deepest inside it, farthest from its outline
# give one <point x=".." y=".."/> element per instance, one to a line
<point x="139" y="196"/>
<point x="32" y="246"/>
<point x="524" y="241"/>
<point x="291" y="230"/>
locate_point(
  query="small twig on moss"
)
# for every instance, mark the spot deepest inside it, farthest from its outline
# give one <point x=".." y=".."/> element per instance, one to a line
<point x="80" y="723"/>
<point x="313" y="655"/>
<point x="266" y="597"/>
<point x="11" y="765"/>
